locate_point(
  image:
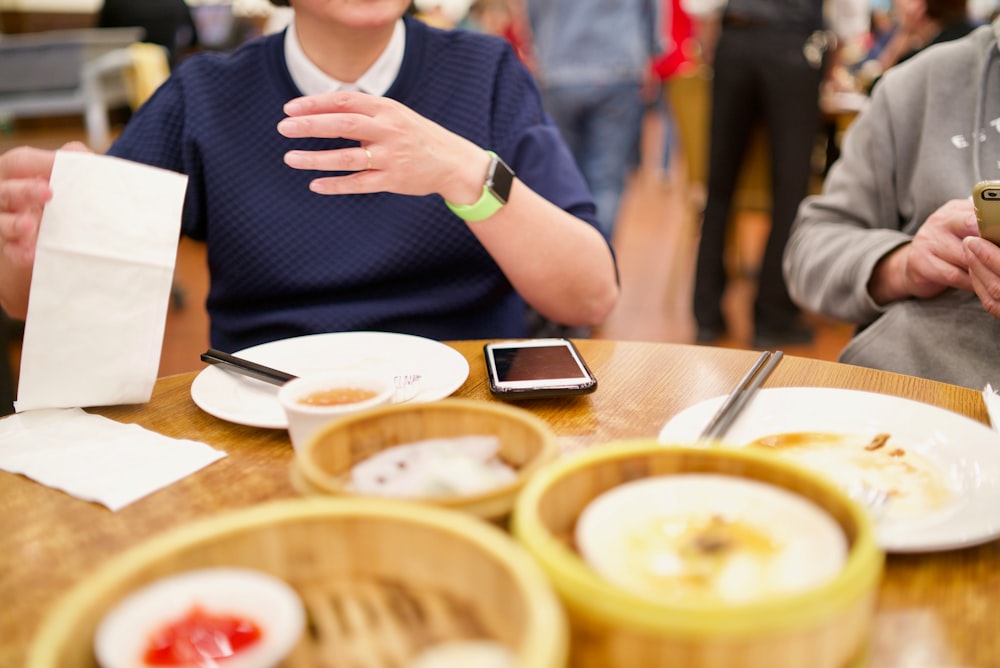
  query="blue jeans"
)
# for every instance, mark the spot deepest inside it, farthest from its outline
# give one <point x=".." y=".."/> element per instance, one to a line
<point x="602" y="124"/>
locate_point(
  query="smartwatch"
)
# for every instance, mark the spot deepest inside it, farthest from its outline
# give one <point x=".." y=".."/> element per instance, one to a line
<point x="496" y="192"/>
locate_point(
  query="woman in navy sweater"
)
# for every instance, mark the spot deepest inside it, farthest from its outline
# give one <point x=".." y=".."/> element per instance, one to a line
<point x="338" y="175"/>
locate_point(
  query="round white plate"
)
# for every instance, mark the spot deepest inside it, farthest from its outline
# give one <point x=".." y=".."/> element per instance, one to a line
<point x="235" y="398"/>
<point x="121" y="637"/>
<point x="966" y="451"/>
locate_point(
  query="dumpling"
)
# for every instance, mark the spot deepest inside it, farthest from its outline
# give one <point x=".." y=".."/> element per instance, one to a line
<point x="433" y="468"/>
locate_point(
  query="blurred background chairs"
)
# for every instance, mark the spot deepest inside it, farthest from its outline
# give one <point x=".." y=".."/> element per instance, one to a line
<point x="68" y="72"/>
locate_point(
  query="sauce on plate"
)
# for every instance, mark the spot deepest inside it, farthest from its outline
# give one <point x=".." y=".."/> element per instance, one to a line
<point x="199" y="635"/>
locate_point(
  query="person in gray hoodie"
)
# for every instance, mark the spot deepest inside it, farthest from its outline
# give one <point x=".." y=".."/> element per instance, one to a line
<point x="891" y="243"/>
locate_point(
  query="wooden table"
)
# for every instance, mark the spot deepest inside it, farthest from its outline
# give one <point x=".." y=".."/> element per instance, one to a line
<point x="933" y="610"/>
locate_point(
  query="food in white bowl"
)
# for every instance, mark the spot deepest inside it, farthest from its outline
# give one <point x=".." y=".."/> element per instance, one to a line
<point x="229" y="617"/>
<point x="436" y="467"/>
<point x="708" y="539"/>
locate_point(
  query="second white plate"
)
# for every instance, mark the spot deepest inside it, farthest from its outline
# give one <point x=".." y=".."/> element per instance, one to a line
<point x="235" y="398"/>
<point x="966" y="451"/>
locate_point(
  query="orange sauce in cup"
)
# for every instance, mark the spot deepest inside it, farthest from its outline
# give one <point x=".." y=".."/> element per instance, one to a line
<point x="337" y="396"/>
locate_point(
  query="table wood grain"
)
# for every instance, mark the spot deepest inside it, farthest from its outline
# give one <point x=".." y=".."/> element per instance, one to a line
<point x="937" y="610"/>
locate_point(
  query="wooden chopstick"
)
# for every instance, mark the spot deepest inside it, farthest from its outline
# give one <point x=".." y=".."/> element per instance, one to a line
<point x="741" y="394"/>
<point x="246" y="367"/>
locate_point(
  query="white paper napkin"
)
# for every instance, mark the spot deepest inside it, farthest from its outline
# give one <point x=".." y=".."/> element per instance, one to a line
<point x="94" y="458"/>
<point x="101" y="283"/>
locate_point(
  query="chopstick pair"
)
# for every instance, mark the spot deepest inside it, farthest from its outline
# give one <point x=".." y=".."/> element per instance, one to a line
<point x="741" y="394"/>
<point x="246" y="367"/>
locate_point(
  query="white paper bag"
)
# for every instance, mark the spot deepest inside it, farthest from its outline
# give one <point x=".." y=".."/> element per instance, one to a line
<point x="101" y="283"/>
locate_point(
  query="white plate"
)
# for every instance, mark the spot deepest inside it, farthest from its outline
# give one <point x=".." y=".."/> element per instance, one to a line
<point x="275" y="608"/>
<point x="966" y="451"/>
<point x="235" y="398"/>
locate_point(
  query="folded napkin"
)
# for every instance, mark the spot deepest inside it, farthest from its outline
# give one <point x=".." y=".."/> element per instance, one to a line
<point x="94" y="458"/>
<point x="101" y="283"/>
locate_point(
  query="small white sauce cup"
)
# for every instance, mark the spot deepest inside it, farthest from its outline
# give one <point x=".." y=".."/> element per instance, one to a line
<point x="306" y="419"/>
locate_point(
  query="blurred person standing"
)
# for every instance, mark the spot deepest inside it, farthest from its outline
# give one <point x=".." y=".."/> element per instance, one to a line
<point x="769" y="60"/>
<point x="922" y="23"/>
<point x="906" y="28"/>
<point x="592" y="63"/>
<point x="679" y="58"/>
<point x="507" y="19"/>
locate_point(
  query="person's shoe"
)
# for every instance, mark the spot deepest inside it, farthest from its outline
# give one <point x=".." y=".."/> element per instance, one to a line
<point x="794" y="335"/>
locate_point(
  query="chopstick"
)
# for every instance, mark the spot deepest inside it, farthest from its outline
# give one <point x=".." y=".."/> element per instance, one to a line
<point x="741" y="394"/>
<point x="246" y="367"/>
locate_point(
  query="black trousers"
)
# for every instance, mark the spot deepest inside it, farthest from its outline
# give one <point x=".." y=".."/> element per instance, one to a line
<point x="761" y="75"/>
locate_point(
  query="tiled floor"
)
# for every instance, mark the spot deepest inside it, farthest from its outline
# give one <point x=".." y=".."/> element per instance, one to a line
<point x="655" y="241"/>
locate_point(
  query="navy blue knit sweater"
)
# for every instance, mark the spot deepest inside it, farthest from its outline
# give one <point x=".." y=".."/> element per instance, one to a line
<point x="288" y="262"/>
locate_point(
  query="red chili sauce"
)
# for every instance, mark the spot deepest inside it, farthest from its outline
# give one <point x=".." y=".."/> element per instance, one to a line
<point x="198" y="635"/>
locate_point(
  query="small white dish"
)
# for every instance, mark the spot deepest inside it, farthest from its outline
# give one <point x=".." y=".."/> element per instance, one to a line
<point x="303" y="400"/>
<point x="124" y="634"/>
<point x="254" y="403"/>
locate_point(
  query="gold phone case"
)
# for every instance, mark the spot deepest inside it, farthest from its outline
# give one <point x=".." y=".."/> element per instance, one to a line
<point x="986" y="200"/>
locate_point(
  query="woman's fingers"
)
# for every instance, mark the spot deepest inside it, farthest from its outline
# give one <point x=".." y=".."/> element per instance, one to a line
<point x="983" y="259"/>
<point x="20" y="194"/>
<point x="354" y="159"/>
<point x="338" y="102"/>
<point x="25" y="162"/>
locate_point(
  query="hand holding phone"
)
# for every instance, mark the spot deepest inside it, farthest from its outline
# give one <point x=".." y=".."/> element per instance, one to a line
<point x="526" y="369"/>
<point x="986" y="200"/>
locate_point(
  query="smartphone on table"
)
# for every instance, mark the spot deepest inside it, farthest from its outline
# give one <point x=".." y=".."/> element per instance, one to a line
<point x="986" y="200"/>
<point x="530" y="368"/>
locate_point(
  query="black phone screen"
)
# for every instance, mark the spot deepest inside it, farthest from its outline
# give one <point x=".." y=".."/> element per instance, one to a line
<point x="536" y="363"/>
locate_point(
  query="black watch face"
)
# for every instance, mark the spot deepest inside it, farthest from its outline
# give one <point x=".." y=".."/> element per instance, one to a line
<point x="501" y="180"/>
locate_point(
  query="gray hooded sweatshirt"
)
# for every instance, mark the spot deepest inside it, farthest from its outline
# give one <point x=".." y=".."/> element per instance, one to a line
<point x="905" y="155"/>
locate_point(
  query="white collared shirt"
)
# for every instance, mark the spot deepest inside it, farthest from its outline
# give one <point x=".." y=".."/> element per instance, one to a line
<point x="376" y="80"/>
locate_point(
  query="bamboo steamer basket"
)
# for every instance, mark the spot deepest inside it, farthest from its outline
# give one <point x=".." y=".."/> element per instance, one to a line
<point x="823" y="627"/>
<point x="380" y="580"/>
<point x="526" y="443"/>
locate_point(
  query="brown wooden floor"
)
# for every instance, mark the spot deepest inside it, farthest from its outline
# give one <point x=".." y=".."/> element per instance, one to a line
<point x="656" y="242"/>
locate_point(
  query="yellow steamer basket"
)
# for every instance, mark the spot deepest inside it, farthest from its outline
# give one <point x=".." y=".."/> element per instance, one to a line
<point x="526" y="443"/>
<point x="405" y="575"/>
<point x="824" y="627"/>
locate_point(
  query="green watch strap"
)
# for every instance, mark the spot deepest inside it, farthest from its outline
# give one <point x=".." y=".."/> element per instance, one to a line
<point x="487" y="204"/>
<point x="483" y="208"/>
